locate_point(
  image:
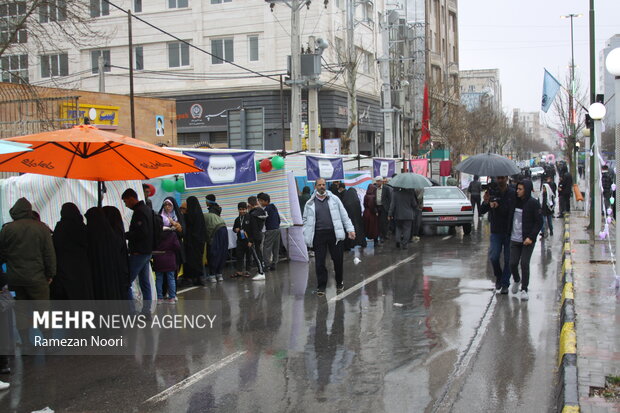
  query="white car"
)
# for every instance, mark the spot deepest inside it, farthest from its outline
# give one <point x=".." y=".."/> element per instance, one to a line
<point x="447" y="206"/>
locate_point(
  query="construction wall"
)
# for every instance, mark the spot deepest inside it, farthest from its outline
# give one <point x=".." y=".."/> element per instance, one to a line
<point x="28" y="109"/>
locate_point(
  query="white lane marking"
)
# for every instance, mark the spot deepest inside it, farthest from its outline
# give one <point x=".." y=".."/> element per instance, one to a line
<point x="370" y="279"/>
<point x="194" y="378"/>
<point x="447" y="237"/>
<point x="186" y="290"/>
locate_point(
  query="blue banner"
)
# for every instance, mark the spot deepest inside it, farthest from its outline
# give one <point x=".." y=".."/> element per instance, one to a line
<point x="550" y="89"/>
<point x="383" y="167"/>
<point x="326" y="168"/>
<point x="221" y="169"/>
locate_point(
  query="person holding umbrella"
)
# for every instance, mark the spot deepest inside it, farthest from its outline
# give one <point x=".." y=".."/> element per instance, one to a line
<point x="404" y="204"/>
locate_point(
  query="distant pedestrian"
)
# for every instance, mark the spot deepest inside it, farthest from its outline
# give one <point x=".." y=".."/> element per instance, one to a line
<point x="371" y="214"/>
<point x="353" y="206"/>
<point x="565" y="191"/>
<point x="403" y="209"/>
<point x="526" y="223"/>
<point x="271" y="243"/>
<point x="606" y="181"/>
<point x="255" y="235"/>
<point x="140" y="238"/>
<point x="303" y="198"/>
<point x="213" y="206"/>
<point x="325" y="222"/>
<point x="386" y="201"/>
<point x="474" y="189"/>
<point x="383" y="219"/>
<point x="146" y="188"/>
<point x="547" y="202"/>
<point x="243" y="254"/>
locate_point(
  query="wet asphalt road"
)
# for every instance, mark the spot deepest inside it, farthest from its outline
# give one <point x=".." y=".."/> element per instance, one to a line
<point x="426" y="333"/>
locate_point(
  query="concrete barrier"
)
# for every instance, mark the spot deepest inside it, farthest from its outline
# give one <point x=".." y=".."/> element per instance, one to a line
<point x="568" y="392"/>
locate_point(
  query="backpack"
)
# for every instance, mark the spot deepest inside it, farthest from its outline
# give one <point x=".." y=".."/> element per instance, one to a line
<point x="158" y="229"/>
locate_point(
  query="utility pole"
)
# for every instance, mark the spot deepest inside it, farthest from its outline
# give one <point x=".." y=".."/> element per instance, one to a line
<point x="351" y="78"/>
<point x="131" y="96"/>
<point x="313" y="107"/>
<point x="386" y="90"/>
<point x="593" y="171"/>
<point x="100" y="67"/>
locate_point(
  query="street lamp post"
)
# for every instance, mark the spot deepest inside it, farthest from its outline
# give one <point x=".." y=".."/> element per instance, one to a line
<point x="613" y="66"/>
<point x="597" y="112"/>
<point x="571" y="110"/>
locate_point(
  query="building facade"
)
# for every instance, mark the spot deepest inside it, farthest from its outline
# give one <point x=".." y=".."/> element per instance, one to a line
<point x="228" y="56"/>
<point x="481" y="88"/>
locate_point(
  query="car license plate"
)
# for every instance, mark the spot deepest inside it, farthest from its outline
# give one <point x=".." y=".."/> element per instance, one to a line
<point x="447" y="218"/>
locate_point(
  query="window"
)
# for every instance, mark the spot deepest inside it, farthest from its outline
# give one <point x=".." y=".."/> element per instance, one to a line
<point x="253" y="48"/>
<point x="53" y="11"/>
<point x="220" y="1"/>
<point x="177" y="4"/>
<point x="178" y="54"/>
<point x="222" y="49"/>
<point x="94" y="60"/>
<point x="137" y="6"/>
<point x="14" y="68"/>
<point x="10" y="16"/>
<point x="139" y="58"/>
<point x="99" y="8"/>
<point x="54" y="65"/>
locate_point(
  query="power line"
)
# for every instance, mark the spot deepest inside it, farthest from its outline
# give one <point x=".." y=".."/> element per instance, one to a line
<point x="189" y="44"/>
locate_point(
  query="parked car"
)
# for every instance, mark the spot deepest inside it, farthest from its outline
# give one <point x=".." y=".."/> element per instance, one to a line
<point x="537" y="172"/>
<point x="447" y="206"/>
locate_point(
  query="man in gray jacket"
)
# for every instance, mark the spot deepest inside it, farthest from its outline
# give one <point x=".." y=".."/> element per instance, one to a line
<point x="403" y="209"/>
<point x="325" y="223"/>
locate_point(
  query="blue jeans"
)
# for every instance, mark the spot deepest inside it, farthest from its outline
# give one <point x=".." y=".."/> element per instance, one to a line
<point x="159" y="283"/>
<point x="547" y="222"/>
<point x="139" y="267"/>
<point x="499" y="241"/>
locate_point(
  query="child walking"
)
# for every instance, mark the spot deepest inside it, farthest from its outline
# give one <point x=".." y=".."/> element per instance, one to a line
<point x="165" y="264"/>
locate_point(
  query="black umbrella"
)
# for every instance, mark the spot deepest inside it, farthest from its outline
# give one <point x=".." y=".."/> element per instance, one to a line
<point x="488" y="164"/>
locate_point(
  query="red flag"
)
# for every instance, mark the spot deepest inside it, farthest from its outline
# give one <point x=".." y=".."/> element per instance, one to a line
<point x="426" y="117"/>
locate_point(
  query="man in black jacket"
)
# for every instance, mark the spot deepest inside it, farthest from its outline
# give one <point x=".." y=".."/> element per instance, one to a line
<point x="565" y="190"/>
<point x="255" y="235"/>
<point x="526" y="224"/>
<point x="499" y="202"/>
<point x="140" y="237"/>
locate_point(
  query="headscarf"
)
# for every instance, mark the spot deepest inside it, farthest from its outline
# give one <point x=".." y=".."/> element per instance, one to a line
<point x="71" y="213"/>
<point x="113" y="215"/>
<point x="194" y="219"/>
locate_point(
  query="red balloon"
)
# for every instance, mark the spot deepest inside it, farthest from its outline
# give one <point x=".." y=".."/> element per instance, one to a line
<point x="151" y="189"/>
<point x="265" y="165"/>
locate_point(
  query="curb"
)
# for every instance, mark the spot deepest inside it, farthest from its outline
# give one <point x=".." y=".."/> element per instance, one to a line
<point x="568" y="392"/>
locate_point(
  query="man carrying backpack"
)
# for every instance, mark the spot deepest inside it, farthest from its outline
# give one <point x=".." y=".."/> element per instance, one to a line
<point x="141" y="240"/>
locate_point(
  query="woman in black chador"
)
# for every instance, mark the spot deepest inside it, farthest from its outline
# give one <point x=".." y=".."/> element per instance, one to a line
<point x="113" y="215"/>
<point x="107" y="261"/>
<point x="73" y="280"/>
<point x="194" y="242"/>
<point x="354" y="208"/>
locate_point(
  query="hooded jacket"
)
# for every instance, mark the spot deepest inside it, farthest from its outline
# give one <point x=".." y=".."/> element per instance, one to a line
<point x="339" y="215"/>
<point x="501" y="217"/>
<point x="532" y="215"/>
<point x="26" y="247"/>
<point x="258" y="216"/>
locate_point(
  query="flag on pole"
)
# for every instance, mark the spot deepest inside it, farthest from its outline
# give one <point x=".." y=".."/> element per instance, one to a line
<point x="426" y="118"/>
<point x="550" y="89"/>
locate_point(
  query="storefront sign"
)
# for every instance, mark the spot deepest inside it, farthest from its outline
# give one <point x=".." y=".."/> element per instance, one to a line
<point x="103" y="117"/>
<point x="221" y="169"/>
<point x="326" y="168"/>
<point x="202" y="113"/>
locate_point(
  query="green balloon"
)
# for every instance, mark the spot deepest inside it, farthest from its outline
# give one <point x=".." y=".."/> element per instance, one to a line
<point x="167" y="185"/>
<point x="180" y="185"/>
<point x="277" y="162"/>
<point x="257" y="166"/>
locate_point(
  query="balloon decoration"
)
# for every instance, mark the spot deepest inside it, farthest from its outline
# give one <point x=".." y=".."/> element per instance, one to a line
<point x="265" y="165"/>
<point x="612" y="200"/>
<point x="277" y="162"/>
<point x="257" y="166"/>
<point x="609" y="220"/>
<point x="152" y="189"/>
<point x="613" y="187"/>
<point x="167" y="185"/>
<point x="179" y="185"/>
<point x="609" y="211"/>
<point x="602" y="235"/>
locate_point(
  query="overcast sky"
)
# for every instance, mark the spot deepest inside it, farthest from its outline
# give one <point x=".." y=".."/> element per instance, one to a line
<point x="522" y="37"/>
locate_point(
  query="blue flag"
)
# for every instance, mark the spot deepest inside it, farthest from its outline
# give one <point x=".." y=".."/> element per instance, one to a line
<point x="550" y="89"/>
<point x="221" y="169"/>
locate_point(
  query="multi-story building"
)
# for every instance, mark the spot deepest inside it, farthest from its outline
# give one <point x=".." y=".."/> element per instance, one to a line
<point x="606" y="82"/>
<point x="227" y="58"/>
<point x="481" y="88"/>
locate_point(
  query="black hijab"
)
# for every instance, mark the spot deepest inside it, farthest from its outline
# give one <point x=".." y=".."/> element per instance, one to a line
<point x="351" y="203"/>
<point x="73" y="279"/>
<point x="107" y="260"/>
<point x="195" y="238"/>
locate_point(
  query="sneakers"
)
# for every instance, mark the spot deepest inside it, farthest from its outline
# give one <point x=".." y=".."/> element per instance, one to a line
<point x="258" y="277"/>
<point x="171" y="300"/>
<point x="4" y="386"/>
<point x="504" y="290"/>
<point x="498" y="287"/>
<point x="524" y="296"/>
<point x="160" y="301"/>
<point x="211" y="279"/>
<point x="515" y="287"/>
<point x="219" y="277"/>
<point x="339" y="288"/>
<point x="320" y="293"/>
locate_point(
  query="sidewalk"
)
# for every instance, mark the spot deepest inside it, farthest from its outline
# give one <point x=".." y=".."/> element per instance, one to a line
<point x="597" y="308"/>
